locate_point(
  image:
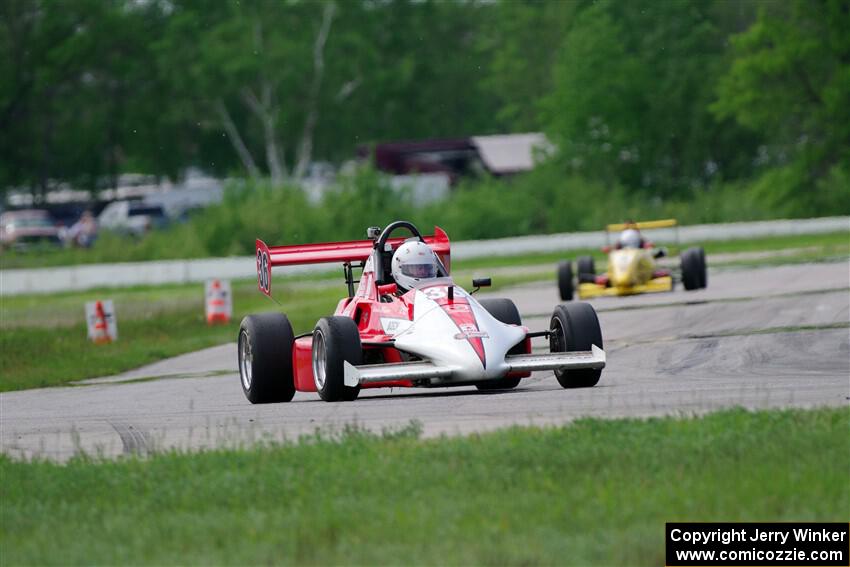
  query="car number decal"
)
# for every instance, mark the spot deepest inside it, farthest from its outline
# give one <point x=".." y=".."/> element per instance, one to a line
<point x="263" y="269"/>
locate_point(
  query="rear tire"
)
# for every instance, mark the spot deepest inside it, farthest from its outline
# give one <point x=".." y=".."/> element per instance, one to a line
<point x="335" y="340"/>
<point x="575" y="327"/>
<point x="505" y="311"/>
<point x="565" y="281"/>
<point x="265" y="358"/>
<point x="693" y="269"/>
<point x="704" y="271"/>
<point x="586" y="269"/>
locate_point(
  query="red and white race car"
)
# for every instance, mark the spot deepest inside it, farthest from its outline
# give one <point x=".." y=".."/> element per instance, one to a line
<point x="435" y="334"/>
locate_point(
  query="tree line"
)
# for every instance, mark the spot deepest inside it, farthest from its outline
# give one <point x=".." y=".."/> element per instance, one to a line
<point x="665" y="100"/>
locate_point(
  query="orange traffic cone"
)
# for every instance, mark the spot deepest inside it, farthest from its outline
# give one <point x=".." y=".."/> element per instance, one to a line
<point x="217" y="311"/>
<point x="101" y="328"/>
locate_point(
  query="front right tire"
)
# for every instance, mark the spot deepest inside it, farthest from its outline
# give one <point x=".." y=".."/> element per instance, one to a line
<point x="586" y="269"/>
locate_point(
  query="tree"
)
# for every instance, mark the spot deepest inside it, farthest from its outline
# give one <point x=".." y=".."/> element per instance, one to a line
<point x="78" y="96"/>
<point x="256" y="61"/>
<point x="418" y="70"/>
<point x="631" y="93"/>
<point x="520" y="40"/>
<point x="790" y="80"/>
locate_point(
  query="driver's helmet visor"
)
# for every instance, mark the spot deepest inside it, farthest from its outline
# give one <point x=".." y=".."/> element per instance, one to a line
<point x="419" y="270"/>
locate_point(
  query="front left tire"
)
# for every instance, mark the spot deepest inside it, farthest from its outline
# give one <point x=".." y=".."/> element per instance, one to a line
<point x="575" y="327"/>
<point x="693" y="269"/>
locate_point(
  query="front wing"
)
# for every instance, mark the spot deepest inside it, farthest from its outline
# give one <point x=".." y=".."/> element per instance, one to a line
<point x="655" y="285"/>
<point x="358" y="375"/>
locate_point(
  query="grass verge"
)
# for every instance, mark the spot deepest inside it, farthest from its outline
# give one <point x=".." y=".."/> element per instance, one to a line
<point x="593" y="492"/>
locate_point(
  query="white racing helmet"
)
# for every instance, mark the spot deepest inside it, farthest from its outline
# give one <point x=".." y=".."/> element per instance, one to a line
<point x="413" y="262"/>
<point x="630" y="238"/>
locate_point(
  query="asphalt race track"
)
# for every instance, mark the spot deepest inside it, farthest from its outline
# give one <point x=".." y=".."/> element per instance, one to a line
<point x="758" y="338"/>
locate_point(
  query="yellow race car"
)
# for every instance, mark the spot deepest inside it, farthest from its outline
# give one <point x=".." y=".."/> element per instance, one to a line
<point x="632" y="266"/>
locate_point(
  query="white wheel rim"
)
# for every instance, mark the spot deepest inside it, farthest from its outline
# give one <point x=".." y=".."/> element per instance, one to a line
<point x="319" y="360"/>
<point x="246" y="360"/>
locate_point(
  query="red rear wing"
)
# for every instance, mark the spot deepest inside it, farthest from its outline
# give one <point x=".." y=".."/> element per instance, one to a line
<point x="332" y="252"/>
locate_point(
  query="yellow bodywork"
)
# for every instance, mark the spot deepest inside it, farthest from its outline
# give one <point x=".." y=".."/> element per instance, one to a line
<point x="629" y="272"/>
<point x="643" y="225"/>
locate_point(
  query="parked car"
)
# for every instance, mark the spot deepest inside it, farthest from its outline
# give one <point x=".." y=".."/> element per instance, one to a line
<point x="82" y="233"/>
<point x="26" y="228"/>
<point x="134" y="218"/>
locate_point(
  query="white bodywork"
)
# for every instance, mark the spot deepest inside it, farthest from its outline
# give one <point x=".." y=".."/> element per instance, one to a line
<point x="447" y="353"/>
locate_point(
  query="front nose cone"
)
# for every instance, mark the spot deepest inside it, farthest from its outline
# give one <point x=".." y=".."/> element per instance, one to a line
<point x="623" y="271"/>
<point x="622" y="279"/>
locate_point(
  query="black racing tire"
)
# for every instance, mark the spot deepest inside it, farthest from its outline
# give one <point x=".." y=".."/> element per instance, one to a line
<point x="586" y="269"/>
<point x="264" y="348"/>
<point x="693" y="269"/>
<point x="703" y="271"/>
<point x="575" y="327"/>
<point x="335" y="340"/>
<point x="505" y="311"/>
<point x="565" y="281"/>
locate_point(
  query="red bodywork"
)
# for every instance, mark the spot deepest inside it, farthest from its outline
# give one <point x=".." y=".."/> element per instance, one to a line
<point x="367" y="307"/>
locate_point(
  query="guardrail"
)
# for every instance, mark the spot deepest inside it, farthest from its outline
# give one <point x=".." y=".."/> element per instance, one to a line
<point x="88" y="276"/>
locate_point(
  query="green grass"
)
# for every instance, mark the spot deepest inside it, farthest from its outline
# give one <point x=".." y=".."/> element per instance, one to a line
<point x="594" y="492"/>
<point x="145" y="302"/>
<point x="831" y="242"/>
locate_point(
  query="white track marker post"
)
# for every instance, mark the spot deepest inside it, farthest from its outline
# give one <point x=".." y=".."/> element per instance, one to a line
<point x="101" y="321"/>
<point x="219" y="301"/>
